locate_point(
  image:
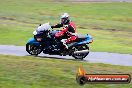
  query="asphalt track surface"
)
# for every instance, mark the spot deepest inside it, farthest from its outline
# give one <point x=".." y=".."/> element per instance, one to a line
<point x="93" y="57"/>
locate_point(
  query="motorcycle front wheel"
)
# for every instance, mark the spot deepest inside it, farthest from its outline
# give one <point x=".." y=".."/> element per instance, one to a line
<point x="33" y="49"/>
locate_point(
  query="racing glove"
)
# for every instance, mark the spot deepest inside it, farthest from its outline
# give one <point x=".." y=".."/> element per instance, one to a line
<point x="52" y="27"/>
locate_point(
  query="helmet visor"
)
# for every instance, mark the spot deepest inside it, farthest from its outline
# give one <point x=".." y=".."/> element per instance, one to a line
<point x="62" y="20"/>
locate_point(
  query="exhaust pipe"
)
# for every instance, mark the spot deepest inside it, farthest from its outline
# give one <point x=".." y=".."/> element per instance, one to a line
<point x="82" y="51"/>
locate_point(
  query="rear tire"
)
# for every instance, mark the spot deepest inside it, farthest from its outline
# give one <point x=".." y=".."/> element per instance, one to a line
<point x="33" y="49"/>
<point x="82" y="55"/>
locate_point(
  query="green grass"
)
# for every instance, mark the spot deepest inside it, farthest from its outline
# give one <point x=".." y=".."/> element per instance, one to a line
<point x="110" y="41"/>
<point x="35" y="72"/>
<point x="110" y="24"/>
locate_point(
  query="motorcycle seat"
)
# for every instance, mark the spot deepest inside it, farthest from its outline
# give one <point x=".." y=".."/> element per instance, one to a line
<point x="81" y="37"/>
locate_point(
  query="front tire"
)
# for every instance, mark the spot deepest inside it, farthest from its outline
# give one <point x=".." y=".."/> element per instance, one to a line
<point x="80" y="56"/>
<point x="33" y="49"/>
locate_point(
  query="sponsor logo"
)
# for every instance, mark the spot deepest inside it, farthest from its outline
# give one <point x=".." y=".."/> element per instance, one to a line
<point x="83" y="78"/>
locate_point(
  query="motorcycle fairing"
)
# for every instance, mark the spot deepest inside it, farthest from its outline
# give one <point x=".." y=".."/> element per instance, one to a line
<point x="86" y="40"/>
<point x="44" y="42"/>
<point x="33" y="41"/>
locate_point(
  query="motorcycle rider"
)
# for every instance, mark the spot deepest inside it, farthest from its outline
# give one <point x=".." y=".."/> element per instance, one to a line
<point x="69" y="29"/>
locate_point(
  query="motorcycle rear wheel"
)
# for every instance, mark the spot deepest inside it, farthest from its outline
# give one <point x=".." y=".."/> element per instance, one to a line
<point x="80" y="56"/>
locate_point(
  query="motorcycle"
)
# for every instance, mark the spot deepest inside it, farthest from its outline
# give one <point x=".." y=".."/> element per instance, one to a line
<point x="44" y="41"/>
